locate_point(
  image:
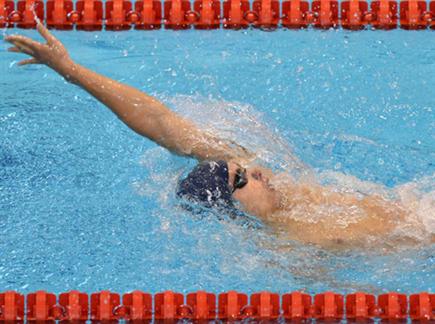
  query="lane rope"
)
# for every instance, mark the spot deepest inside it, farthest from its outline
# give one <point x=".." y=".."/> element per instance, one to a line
<point x="95" y="15"/>
<point x="202" y="305"/>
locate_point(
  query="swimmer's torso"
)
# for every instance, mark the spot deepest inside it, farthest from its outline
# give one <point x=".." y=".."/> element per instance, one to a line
<point x="322" y="215"/>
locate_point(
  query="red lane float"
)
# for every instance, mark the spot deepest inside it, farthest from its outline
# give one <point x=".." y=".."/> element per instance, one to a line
<point x="231" y="305"/>
<point x="26" y="12"/>
<point x="265" y="305"/>
<point x="147" y="15"/>
<point x="234" y="12"/>
<point x="354" y="14"/>
<point x="422" y="307"/>
<point x="295" y="14"/>
<point x="41" y="306"/>
<point x="329" y="306"/>
<point x="11" y="306"/>
<point x="360" y="306"/>
<point x="412" y="14"/>
<point x="105" y="306"/>
<point x="138" y="306"/>
<point x="266" y="13"/>
<point x="116" y="14"/>
<point x="59" y="13"/>
<point x="202" y="305"/>
<point x="74" y="305"/>
<point x="168" y="305"/>
<point x="207" y="14"/>
<point x="175" y="14"/>
<point x="296" y="306"/>
<point x="6" y="9"/>
<point x="392" y="306"/>
<point x="384" y="14"/>
<point x="325" y="13"/>
<point x="90" y="15"/>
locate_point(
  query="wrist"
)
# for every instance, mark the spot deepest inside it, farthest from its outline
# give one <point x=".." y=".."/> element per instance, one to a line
<point x="67" y="68"/>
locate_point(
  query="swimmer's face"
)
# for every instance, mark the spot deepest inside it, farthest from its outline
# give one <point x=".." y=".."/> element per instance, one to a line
<point x="257" y="196"/>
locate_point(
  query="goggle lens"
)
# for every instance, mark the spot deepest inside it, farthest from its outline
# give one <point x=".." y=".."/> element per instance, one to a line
<point x="240" y="179"/>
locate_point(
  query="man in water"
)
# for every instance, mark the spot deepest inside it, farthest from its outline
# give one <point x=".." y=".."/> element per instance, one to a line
<point x="225" y="177"/>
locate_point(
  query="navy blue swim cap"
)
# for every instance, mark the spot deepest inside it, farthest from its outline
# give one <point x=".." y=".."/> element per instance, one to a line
<point x="207" y="184"/>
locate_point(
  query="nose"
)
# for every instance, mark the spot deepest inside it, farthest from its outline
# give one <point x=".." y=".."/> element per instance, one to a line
<point x="257" y="175"/>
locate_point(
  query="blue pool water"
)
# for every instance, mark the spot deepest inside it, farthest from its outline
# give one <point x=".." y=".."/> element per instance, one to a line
<point x="87" y="204"/>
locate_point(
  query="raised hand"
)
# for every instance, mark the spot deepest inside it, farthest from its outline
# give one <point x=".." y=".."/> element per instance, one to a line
<point x="52" y="54"/>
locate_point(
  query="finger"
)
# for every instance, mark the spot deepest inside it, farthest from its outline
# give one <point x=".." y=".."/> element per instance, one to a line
<point x="14" y="49"/>
<point x="11" y="38"/>
<point x="23" y="40"/>
<point x="22" y="48"/>
<point x="28" y="45"/>
<point x="45" y="33"/>
<point x="29" y="61"/>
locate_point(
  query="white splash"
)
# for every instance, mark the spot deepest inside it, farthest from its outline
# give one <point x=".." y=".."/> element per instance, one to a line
<point x="244" y="125"/>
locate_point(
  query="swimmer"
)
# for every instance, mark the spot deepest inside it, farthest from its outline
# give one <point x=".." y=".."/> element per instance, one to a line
<point x="304" y="211"/>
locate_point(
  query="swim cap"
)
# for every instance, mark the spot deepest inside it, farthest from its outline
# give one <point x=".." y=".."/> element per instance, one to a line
<point x="207" y="183"/>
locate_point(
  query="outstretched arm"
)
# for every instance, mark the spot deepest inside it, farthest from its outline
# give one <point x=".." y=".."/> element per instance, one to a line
<point x="142" y="113"/>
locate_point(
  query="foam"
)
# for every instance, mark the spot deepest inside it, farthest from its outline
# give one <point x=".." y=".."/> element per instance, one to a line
<point x="242" y="124"/>
<point x="418" y="197"/>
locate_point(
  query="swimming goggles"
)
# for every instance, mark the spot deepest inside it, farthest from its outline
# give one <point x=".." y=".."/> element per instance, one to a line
<point x="240" y="179"/>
